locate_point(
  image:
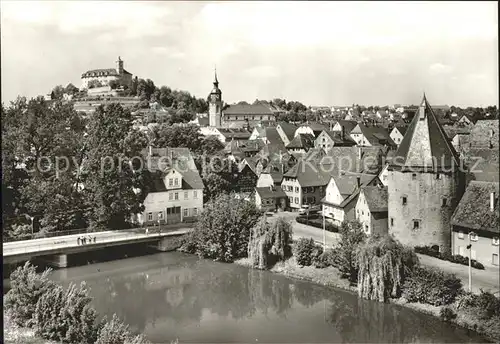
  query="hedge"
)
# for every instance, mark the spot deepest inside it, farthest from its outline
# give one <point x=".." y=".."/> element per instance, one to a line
<point x="458" y="259"/>
<point x="318" y="223"/>
<point x="432" y="286"/>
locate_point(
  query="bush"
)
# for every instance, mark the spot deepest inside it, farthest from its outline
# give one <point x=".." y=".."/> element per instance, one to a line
<point x="304" y="251"/>
<point x="113" y="332"/>
<point x="432" y="286"/>
<point x="326" y="259"/>
<point x="26" y="289"/>
<point x="486" y="305"/>
<point x="351" y="236"/>
<point x="316" y="254"/>
<point x="447" y="314"/>
<point x="458" y="259"/>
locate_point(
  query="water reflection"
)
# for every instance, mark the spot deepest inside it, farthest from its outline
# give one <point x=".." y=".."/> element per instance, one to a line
<point x="188" y="297"/>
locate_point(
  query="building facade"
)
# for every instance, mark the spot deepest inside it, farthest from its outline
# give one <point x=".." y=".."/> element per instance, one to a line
<point x="105" y="76"/>
<point x="371" y="210"/>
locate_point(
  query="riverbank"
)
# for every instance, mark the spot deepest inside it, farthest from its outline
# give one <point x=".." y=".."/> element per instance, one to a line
<point x="330" y="277"/>
<point x="13" y="334"/>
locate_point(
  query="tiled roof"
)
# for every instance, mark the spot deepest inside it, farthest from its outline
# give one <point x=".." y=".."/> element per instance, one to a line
<point x="347" y="159"/>
<point x="425" y="143"/>
<point x="348" y="125"/>
<point x="230" y="133"/>
<point x="451" y="131"/>
<point x="271" y="134"/>
<point x="377" y="136"/>
<point x="268" y="192"/>
<point x="288" y="129"/>
<point x="348" y="183"/>
<point x="402" y="129"/>
<point x="305" y="141"/>
<point x="480" y="134"/>
<point x="483" y="163"/>
<point x="100" y="72"/>
<point x="308" y="173"/>
<point x="376" y="198"/>
<point x="178" y="158"/>
<point x="337" y="138"/>
<point x="474" y="212"/>
<point x="247" y="109"/>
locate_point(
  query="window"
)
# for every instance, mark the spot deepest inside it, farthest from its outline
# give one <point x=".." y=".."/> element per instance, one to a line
<point x="495" y="241"/>
<point x="170" y="196"/>
<point x="362" y="212"/>
<point x="444" y="202"/>
<point x="460" y="235"/>
<point x="195" y="194"/>
<point x="297" y="200"/>
<point x="150" y="216"/>
<point x="416" y="224"/>
<point x="473" y="237"/>
<point x="176" y="196"/>
<point x="185" y="212"/>
<point x="176" y="183"/>
<point x="366" y="228"/>
<point x="290" y="199"/>
<point x="404" y="199"/>
<point x="170" y="182"/>
<point x="494" y="259"/>
<point x="438" y="176"/>
<point x="392" y="221"/>
<point x="160" y="215"/>
<point x="414" y="176"/>
<point x="185" y="195"/>
<point x="296" y="189"/>
<point x="195" y="211"/>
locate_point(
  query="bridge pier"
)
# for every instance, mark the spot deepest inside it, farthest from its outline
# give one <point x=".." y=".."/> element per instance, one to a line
<point x="57" y="261"/>
<point x="167" y="244"/>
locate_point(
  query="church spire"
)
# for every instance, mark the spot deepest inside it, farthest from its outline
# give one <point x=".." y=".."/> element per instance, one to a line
<point x="216" y="82"/>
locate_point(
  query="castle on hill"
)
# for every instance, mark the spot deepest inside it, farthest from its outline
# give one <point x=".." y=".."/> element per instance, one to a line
<point x="105" y="76"/>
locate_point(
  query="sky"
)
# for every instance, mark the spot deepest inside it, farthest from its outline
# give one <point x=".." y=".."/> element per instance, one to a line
<point x="319" y="53"/>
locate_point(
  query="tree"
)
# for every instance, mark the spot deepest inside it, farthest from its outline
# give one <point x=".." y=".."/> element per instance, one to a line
<point x="223" y="231"/>
<point x="384" y="265"/>
<point x="211" y="145"/>
<point x="177" y="136"/>
<point x="109" y="179"/>
<point x="71" y="89"/>
<point x="94" y="84"/>
<point x="351" y="236"/>
<point x="57" y="92"/>
<point x="113" y="84"/>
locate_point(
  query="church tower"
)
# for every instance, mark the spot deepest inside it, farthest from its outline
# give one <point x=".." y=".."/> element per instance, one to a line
<point x="119" y="66"/>
<point x="215" y="105"/>
<point x="425" y="184"/>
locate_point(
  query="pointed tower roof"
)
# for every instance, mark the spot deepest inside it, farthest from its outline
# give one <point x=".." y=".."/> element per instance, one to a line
<point x="216" y="82"/>
<point x="425" y="145"/>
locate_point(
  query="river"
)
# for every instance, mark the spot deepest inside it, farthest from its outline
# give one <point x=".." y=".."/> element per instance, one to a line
<point x="174" y="295"/>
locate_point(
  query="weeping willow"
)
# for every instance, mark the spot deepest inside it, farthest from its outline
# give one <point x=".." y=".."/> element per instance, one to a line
<point x="383" y="266"/>
<point x="269" y="243"/>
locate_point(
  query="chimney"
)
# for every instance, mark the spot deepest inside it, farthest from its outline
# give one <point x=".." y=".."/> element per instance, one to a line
<point x="492" y="201"/>
<point x="358" y="180"/>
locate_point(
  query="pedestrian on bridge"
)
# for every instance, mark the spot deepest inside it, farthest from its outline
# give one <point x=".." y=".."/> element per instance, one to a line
<point x="147" y="231"/>
<point x="78" y="240"/>
<point x="84" y="240"/>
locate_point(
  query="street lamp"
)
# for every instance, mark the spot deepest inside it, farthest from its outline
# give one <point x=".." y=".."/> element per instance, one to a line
<point x="324" y="230"/>
<point x="469" y="247"/>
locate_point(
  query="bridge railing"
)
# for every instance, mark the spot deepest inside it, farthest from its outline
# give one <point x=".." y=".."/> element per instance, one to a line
<point x="73" y="242"/>
<point x="43" y="235"/>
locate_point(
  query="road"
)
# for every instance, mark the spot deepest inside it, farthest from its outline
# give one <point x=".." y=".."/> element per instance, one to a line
<point x="303" y="231"/>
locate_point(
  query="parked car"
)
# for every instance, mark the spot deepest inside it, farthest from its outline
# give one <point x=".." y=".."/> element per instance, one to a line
<point x="304" y="209"/>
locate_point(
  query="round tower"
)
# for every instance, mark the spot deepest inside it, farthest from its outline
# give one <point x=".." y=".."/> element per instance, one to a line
<point x="424" y="184"/>
<point x="215" y="104"/>
<point x="119" y="66"/>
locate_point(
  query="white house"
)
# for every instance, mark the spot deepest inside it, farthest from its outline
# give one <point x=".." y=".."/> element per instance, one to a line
<point x="371" y="209"/>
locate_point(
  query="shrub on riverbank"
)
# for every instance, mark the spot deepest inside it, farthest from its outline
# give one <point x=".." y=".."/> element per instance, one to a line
<point x="26" y="289"/>
<point x="458" y="259"/>
<point x="432" y="286"/>
<point x="270" y="243"/>
<point x="223" y="231"/>
<point x="65" y="316"/>
<point x="384" y="265"/>
<point x="305" y="251"/>
<point x="486" y="305"/>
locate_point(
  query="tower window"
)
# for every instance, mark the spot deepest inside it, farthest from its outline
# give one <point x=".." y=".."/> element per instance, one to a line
<point x="404" y="200"/>
<point x="414" y="176"/>
<point x="392" y="221"/>
<point x="416" y="224"/>
<point x="444" y="203"/>
<point x="438" y="176"/>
